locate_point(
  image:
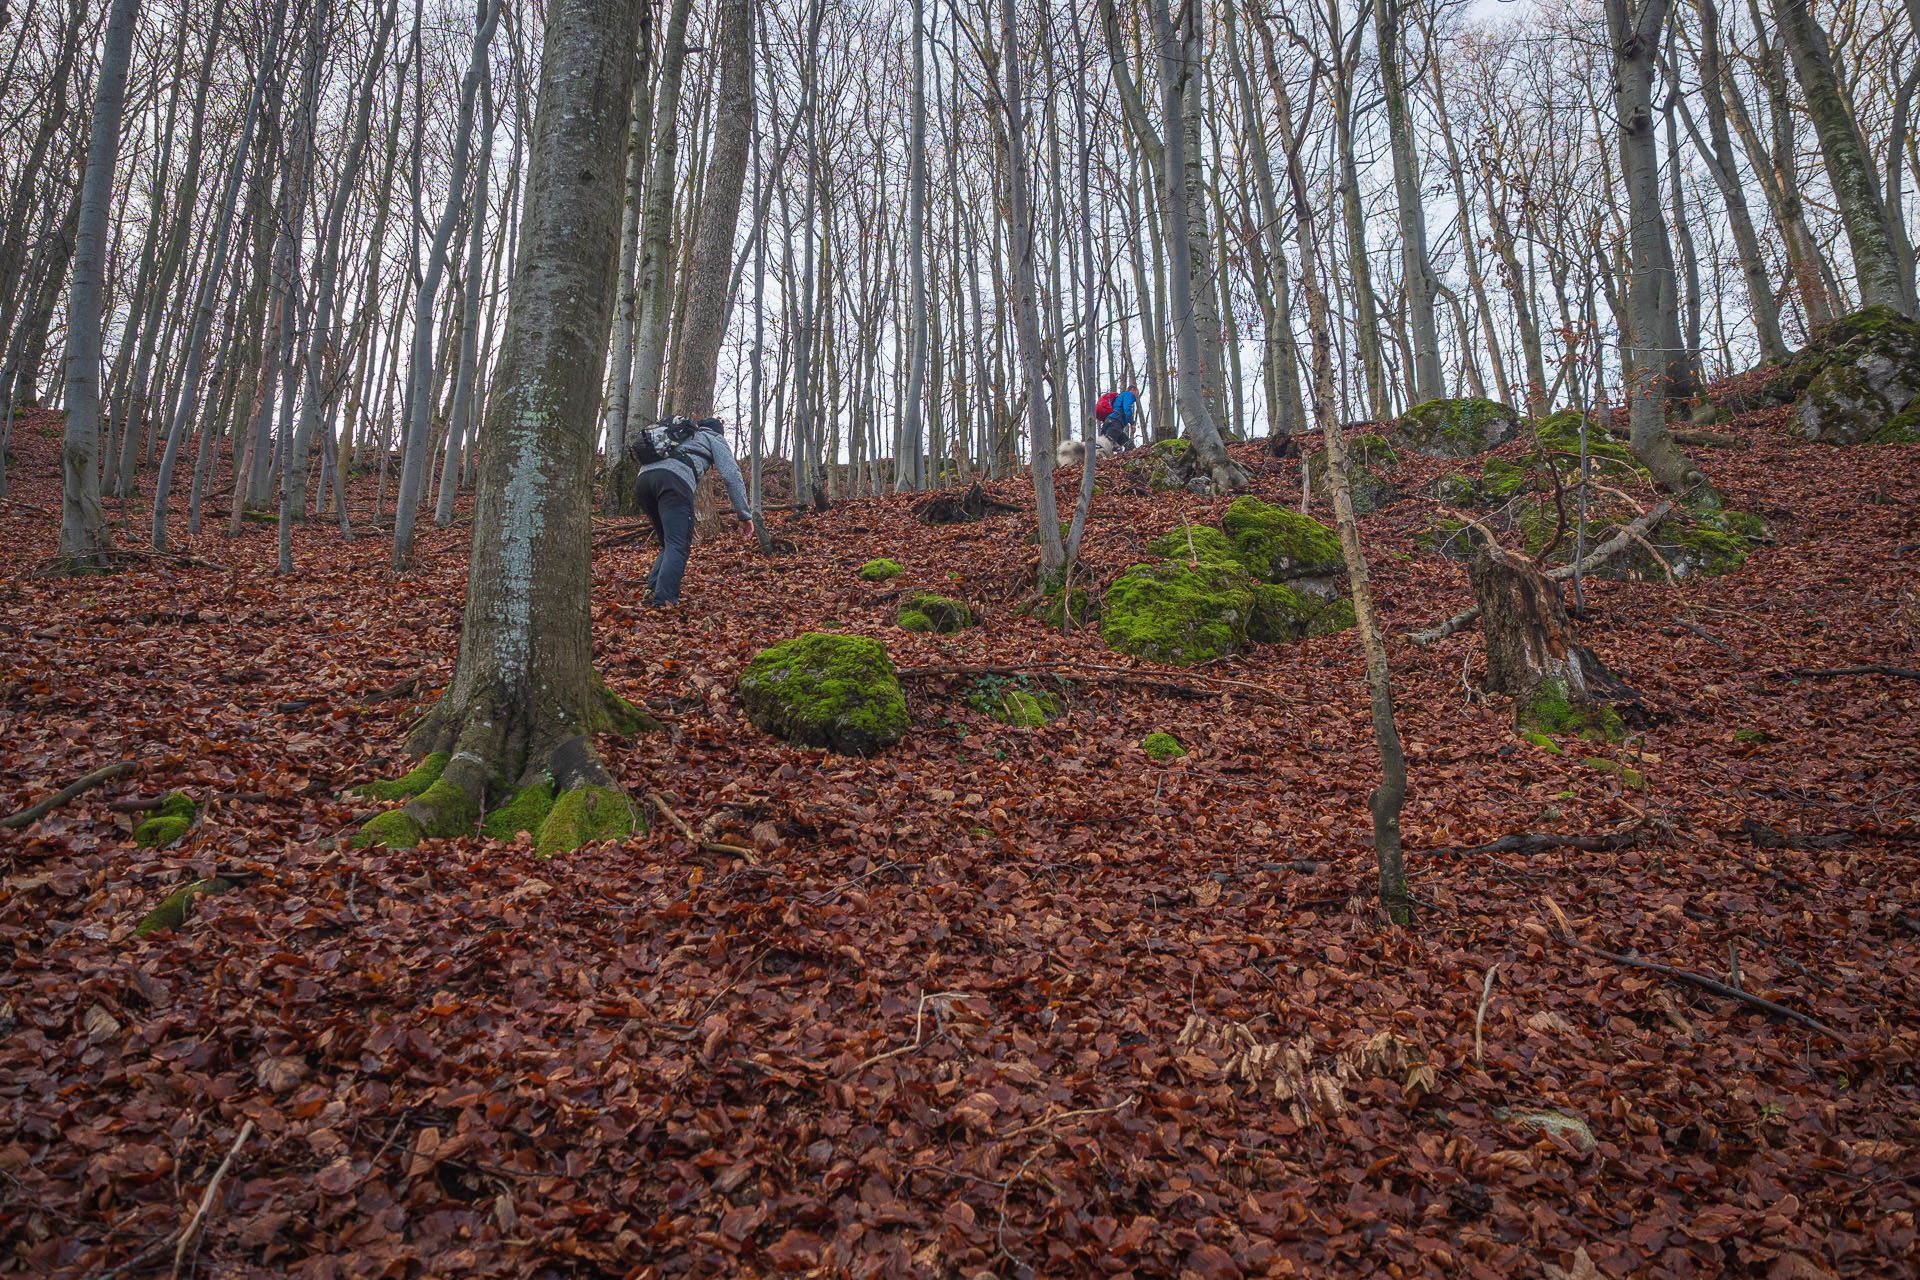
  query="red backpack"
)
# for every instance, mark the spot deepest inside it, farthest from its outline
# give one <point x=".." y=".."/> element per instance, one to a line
<point x="1103" y="406"/>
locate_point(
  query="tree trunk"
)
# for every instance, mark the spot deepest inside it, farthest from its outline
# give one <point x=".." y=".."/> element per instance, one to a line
<point x="697" y="355"/>
<point x="1208" y="458"/>
<point x="656" y="228"/>
<point x="1652" y="310"/>
<point x="84" y="542"/>
<point x="524" y="695"/>
<point x="1385" y="801"/>
<point x="1850" y="171"/>
<point x="1429" y="379"/>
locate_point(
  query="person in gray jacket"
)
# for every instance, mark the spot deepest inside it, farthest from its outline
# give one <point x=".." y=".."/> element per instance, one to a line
<point x="666" y="495"/>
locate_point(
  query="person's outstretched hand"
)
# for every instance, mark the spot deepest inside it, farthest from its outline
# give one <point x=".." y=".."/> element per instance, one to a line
<point x="745" y="522"/>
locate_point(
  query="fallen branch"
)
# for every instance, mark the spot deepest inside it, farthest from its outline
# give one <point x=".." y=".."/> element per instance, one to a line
<point x="692" y="838"/>
<point x="1612" y="547"/>
<point x="34" y="813"/>
<point x="206" y="1201"/>
<point x="1872" y="669"/>
<point x="1064" y="1115"/>
<point x="1708" y="439"/>
<point x="1480" y="1014"/>
<point x="1699" y="980"/>
<point x="1540" y="843"/>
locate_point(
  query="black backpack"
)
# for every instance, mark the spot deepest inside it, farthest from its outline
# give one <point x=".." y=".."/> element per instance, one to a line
<point x="660" y="441"/>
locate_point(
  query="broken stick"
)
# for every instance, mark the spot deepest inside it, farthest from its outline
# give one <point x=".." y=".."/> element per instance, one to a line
<point x="33" y="813"/>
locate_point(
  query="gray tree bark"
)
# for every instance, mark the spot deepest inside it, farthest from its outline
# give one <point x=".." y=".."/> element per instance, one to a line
<point x="84" y="541"/>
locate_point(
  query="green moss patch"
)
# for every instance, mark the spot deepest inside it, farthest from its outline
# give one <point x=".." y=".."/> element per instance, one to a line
<point x="1274" y="544"/>
<point x="1543" y="742"/>
<point x="1023" y="710"/>
<point x="169" y="822"/>
<point x="614" y="714"/>
<point x="940" y="615"/>
<point x="880" y="570"/>
<point x="1282" y="615"/>
<point x="424" y="775"/>
<point x="524" y="812"/>
<point x="1162" y="746"/>
<point x="171" y="911"/>
<point x="583" y="816"/>
<point x="1552" y="711"/>
<point x="1178" y="613"/>
<point x="396" y="829"/>
<point x="1369" y="458"/>
<point x="819" y="690"/>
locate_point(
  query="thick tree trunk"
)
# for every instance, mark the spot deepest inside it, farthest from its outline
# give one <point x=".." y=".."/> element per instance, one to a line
<point x="84" y="542"/>
<point x="1429" y="380"/>
<point x="1208" y="457"/>
<point x="524" y="694"/>
<point x="1850" y="170"/>
<point x="697" y="355"/>
<point x="1652" y="300"/>
<point x="619" y="497"/>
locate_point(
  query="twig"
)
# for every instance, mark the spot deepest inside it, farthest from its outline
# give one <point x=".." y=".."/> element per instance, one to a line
<point x="1064" y="1115"/>
<point x="653" y="798"/>
<point x="34" y="813"/>
<point x="206" y="1201"/>
<point x="1696" y="979"/>
<point x="1486" y="990"/>
<point x="1605" y="551"/>
<point x="919" y="1020"/>
<point x="1873" y="669"/>
<point x="1733" y="959"/>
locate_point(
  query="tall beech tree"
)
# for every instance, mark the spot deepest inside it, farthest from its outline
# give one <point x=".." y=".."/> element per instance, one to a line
<point x="524" y="697"/>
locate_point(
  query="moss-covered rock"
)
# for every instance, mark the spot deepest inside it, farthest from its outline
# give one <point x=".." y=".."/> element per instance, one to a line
<point x="820" y="690"/>
<point x="423" y="775"/>
<point x="1454" y="428"/>
<point x="1693" y="544"/>
<point x="1282" y="614"/>
<point x="880" y="570"/>
<point x="1178" y="612"/>
<point x="1193" y="542"/>
<point x="171" y="911"/>
<point x="525" y="811"/>
<point x="1168" y="459"/>
<point x="1854" y="382"/>
<point x="1162" y="747"/>
<point x="1278" y="545"/>
<point x="583" y="816"/>
<point x="1056" y="604"/>
<point x="169" y="822"/>
<point x="1369" y="458"/>
<point x="940" y="615"/>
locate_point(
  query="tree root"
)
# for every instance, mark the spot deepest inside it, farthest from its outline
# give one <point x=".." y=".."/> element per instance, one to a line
<point x="33" y="813"/>
<point x="558" y="791"/>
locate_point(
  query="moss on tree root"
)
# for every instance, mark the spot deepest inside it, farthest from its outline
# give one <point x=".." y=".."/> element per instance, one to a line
<point x="169" y="822"/>
<point x="583" y="816"/>
<point x="171" y="911"/>
<point x="422" y="776"/>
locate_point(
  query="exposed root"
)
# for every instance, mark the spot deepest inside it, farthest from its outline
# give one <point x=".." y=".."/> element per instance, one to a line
<point x="556" y="790"/>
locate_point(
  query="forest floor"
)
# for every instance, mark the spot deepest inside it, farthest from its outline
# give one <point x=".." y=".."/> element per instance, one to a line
<point x="995" y="1001"/>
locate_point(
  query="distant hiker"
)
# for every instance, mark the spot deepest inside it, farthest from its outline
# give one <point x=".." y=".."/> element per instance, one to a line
<point x="1114" y="414"/>
<point x="674" y="453"/>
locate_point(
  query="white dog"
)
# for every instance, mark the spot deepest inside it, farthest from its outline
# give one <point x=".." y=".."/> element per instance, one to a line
<point x="1073" y="452"/>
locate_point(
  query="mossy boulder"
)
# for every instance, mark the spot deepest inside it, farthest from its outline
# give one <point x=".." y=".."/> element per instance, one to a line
<point x="1496" y="481"/>
<point x="1454" y="428"/>
<point x="1278" y="545"/>
<point x="1282" y="614"/>
<point x="1369" y="458"/>
<point x="880" y="570"/>
<point x="1162" y="747"/>
<point x="1855" y="381"/>
<point x="940" y="615"/>
<point x="1178" y="612"/>
<point x="820" y="690"/>
<point x="1168" y="462"/>
<point x="169" y="822"/>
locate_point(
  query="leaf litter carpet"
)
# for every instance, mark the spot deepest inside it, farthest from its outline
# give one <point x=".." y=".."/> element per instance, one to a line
<point x="997" y="1001"/>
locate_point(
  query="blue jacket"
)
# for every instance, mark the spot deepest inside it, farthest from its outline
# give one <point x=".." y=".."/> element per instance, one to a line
<point x="706" y="449"/>
<point x="1123" y="402"/>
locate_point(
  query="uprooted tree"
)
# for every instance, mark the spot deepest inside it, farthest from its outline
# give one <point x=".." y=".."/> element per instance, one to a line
<point x="515" y="723"/>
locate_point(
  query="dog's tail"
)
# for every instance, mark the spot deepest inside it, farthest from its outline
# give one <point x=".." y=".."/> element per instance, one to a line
<point x="1070" y="453"/>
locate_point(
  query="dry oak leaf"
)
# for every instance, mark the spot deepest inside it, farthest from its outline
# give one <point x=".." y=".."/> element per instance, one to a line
<point x="1714" y="1223"/>
<point x="1582" y="1268"/>
<point x="98" y="1025"/>
<point x="280" y="1075"/>
<point x="975" y="1111"/>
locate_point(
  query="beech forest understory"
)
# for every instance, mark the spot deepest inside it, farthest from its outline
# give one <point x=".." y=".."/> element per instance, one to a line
<point x="993" y="1000"/>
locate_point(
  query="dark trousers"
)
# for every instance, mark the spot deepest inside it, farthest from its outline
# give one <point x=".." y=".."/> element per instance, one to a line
<point x="669" y="506"/>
